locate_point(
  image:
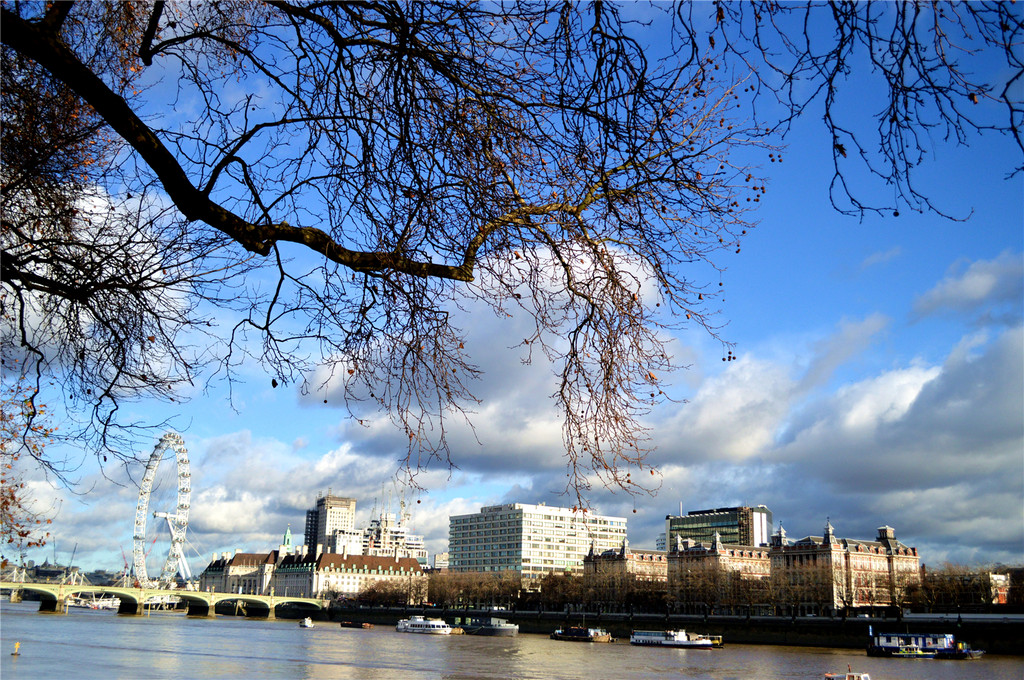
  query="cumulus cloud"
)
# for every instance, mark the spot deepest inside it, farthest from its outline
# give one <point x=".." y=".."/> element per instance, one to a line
<point x="933" y="450"/>
<point x="732" y="417"/>
<point x="976" y="287"/>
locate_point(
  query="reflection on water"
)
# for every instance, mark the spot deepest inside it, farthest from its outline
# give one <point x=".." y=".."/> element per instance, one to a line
<point x="91" y="644"/>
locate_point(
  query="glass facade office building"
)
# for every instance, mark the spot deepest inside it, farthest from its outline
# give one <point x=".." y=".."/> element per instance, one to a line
<point x="736" y="526"/>
<point x="533" y="540"/>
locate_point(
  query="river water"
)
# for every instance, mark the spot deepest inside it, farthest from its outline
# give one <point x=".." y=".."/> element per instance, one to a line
<point x="94" y="644"/>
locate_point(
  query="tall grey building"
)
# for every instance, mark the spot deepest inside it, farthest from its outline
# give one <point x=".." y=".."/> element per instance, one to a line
<point x="331" y="516"/>
<point x="738" y="526"/>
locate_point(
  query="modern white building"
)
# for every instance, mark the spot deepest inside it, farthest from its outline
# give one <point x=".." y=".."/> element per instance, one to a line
<point x="533" y="540"/>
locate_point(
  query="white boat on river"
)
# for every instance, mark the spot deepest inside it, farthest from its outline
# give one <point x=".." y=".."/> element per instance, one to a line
<point x="418" y="624"/>
<point x="670" y="638"/>
<point x="848" y="675"/>
<point x="93" y="602"/>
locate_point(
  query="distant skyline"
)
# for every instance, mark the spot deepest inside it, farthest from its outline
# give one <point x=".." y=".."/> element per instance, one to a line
<point x="878" y="380"/>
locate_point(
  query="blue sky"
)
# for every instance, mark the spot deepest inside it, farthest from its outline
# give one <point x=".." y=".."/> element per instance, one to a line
<point x="879" y="380"/>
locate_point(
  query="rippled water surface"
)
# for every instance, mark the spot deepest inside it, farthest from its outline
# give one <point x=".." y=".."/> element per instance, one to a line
<point x="90" y="644"/>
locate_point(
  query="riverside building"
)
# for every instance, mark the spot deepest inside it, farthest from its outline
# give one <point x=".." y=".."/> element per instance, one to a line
<point x="248" y="573"/>
<point x="330" y="526"/>
<point x="827" y="574"/>
<point x="292" y="571"/>
<point x="333" y="576"/>
<point x="744" y="561"/>
<point x="642" y="565"/>
<point x="735" y="526"/>
<point x="534" y="540"/>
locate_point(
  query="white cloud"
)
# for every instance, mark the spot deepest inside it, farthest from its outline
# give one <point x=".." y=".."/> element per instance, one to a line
<point x="870" y="404"/>
<point x="881" y="257"/>
<point x="852" y="338"/>
<point x="733" y="416"/>
<point x="980" y="285"/>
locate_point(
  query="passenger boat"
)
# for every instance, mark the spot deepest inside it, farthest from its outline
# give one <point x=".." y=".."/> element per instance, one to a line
<point x="670" y="638"/>
<point x="352" y="624"/>
<point x="418" y="624"/>
<point x="921" y="646"/>
<point x="306" y="623"/>
<point x="580" y="634"/>
<point x="488" y="625"/>
<point x="93" y="602"/>
<point x="104" y="603"/>
<point x="848" y="675"/>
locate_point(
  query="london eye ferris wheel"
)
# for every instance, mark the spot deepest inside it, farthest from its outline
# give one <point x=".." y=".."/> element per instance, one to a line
<point x="176" y="520"/>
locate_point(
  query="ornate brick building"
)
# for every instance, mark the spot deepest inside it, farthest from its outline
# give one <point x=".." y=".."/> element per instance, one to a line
<point x="716" y="576"/>
<point x="826" y="574"/>
<point x="643" y="565"/>
<point x="746" y="561"/>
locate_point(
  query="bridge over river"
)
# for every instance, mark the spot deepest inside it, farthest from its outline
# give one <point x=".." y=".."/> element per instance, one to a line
<point x="53" y="597"/>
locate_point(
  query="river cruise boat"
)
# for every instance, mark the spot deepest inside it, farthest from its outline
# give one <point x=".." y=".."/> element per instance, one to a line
<point x="580" y="634"/>
<point x="670" y="638"/>
<point x="93" y="602"/>
<point x="921" y="646"/>
<point x="418" y="624"/>
<point x="848" y="675"/>
<point x="355" y="624"/>
<point x="488" y="625"/>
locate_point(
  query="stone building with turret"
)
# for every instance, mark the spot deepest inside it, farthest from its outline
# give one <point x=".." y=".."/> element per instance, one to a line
<point x="643" y="565"/>
<point x="745" y="561"/>
<point x="334" y="576"/>
<point x="827" y="574"/>
<point x="295" y="571"/>
<point x="248" y="573"/>
<point x="705" y="576"/>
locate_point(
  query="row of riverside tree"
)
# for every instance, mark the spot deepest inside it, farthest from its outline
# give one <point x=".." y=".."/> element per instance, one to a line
<point x="710" y="590"/>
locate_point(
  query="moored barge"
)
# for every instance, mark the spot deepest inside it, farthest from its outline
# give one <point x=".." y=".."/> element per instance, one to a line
<point x="921" y="646"/>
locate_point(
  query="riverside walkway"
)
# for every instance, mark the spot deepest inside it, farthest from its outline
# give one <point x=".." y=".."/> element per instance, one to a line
<point x="53" y="598"/>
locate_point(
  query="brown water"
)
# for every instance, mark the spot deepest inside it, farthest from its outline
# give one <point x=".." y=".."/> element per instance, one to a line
<point x="90" y="644"/>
